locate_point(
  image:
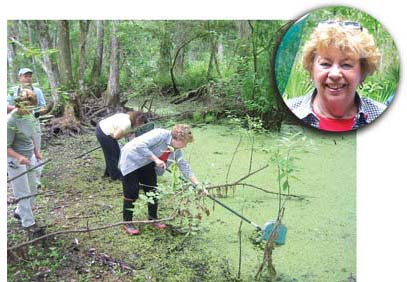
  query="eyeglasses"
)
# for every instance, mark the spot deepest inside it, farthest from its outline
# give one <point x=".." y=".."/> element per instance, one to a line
<point x="347" y="24"/>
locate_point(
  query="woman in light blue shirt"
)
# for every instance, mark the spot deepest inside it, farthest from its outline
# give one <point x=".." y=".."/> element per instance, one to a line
<point x="146" y="156"/>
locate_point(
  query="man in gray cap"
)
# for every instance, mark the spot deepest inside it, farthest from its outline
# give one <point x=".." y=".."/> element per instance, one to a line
<point x="25" y="76"/>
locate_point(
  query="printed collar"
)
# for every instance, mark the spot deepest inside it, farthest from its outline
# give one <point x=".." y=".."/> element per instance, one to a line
<point x="306" y="106"/>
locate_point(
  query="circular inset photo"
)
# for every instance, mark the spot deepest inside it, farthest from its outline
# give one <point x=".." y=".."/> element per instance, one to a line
<point x="337" y="69"/>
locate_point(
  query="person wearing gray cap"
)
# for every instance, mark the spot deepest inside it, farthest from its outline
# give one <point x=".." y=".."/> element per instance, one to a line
<point x="26" y="80"/>
<point x="25" y="76"/>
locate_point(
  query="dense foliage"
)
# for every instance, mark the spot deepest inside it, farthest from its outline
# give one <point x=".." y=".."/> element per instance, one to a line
<point x="154" y="56"/>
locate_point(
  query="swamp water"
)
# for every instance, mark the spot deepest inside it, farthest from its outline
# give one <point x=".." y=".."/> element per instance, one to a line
<point x="321" y="239"/>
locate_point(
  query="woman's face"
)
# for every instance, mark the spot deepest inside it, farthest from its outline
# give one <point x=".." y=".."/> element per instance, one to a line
<point x="177" y="144"/>
<point x="336" y="75"/>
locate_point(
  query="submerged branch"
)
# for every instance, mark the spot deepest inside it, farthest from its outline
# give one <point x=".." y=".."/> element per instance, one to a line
<point x="300" y="197"/>
<point x="237" y="182"/>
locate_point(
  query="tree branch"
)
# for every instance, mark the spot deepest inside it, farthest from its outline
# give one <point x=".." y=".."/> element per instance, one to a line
<point x="300" y="197"/>
<point x="237" y="182"/>
<point x="84" y="230"/>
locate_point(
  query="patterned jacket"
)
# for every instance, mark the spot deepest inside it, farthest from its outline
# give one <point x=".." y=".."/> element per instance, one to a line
<point x="368" y="109"/>
<point x="137" y="153"/>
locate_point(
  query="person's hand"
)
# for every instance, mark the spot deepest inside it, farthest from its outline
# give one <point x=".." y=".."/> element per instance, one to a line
<point x="161" y="164"/>
<point x="201" y="189"/>
<point x="38" y="155"/>
<point x="23" y="160"/>
<point x="204" y="192"/>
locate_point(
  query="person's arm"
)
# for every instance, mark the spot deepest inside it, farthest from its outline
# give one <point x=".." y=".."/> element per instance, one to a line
<point x="118" y="134"/>
<point x="186" y="170"/>
<point x="121" y="128"/>
<point x="10" y="108"/>
<point x="141" y="146"/>
<point x="37" y="153"/>
<point x="151" y="139"/>
<point x="196" y="183"/>
<point x="40" y="97"/>
<point x="194" y="180"/>
<point x="10" y="103"/>
<point x="20" y="158"/>
<point x="159" y="163"/>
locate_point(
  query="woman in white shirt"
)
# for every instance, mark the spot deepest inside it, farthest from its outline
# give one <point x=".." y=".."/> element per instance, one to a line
<point x="111" y="129"/>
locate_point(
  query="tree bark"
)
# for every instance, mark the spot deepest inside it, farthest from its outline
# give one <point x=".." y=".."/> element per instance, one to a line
<point x="33" y="43"/>
<point x="111" y="95"/>
<point x="254" y="53"/>
<point x="213" y="60"/>
<point x="254" y="47"/>
<point x="165" y="50"/>
<point x="84" y="27"/>
<point x="181" y="35"/>
<point x="11" y="51"/>
<point x="45" y="43"/>
<point x="98" y="59"/>
<point x="65" y="60"/>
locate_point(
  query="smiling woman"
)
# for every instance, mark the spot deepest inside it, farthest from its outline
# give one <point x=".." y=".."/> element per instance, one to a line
<point x="338" y="56"/>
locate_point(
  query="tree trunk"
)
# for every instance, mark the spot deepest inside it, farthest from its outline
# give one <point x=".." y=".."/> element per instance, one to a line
<point x="33" y="43"/>
<point x="213" y="60"/>
<point x="180" y="36"/>
<point x="65" y="60"/>
<point x="165" y="50"/>
<point x="111" y="95"/>
<point x="254" y="47"/>
<point x="11" y="51"/>
<point x="220" y="52"/>
<point x="243" y="49"/>
<point x="254" y="53"/>
<point x="97" y="61"/>
<point x="179" y="66"/>
<point x="84" y="27"/>
<point x="45" y="43"/>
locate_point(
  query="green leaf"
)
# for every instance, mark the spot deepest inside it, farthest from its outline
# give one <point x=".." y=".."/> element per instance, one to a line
<point x="285" y="185"/>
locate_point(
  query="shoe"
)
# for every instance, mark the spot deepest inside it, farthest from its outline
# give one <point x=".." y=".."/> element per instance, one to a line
<point x="34" y="231"/>
<point x="17" y="216"/>
<point x="159" y="225"/>
<point x="131" y="229"/>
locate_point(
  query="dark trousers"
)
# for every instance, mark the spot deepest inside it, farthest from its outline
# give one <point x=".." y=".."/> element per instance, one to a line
<point x="111" y="151"/>
<point x="144" y="178"/>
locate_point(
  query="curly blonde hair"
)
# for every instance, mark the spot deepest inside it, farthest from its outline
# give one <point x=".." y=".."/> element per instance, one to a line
<point x="182" y="132"/>
<point x="350" y="40"/>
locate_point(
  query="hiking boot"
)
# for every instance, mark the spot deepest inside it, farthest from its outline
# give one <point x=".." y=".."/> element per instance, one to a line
<point x="159" y="225"/>
<point x="34" y="231"/>
<point x="131" y="229"/>
<point x="17" y="216"/>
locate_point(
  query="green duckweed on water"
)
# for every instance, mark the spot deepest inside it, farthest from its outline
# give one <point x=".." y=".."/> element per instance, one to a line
<point x="320" y="243"/>
<point x="321" y="239"/>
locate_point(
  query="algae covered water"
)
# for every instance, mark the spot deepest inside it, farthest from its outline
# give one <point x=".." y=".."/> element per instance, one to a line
<point x="321" y="239"/>
<point x="320" y="243"/>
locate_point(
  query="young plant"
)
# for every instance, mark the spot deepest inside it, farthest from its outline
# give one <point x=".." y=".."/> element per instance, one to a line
<point x="284" y="157"/>
<point x="288" y="147"/>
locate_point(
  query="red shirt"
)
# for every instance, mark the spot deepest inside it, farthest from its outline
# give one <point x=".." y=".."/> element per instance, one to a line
<point x="165" y="155"/>
<point x="336" y="124"/>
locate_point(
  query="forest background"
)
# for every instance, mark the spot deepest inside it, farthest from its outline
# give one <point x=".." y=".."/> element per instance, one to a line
<point x="372" y="177"/>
